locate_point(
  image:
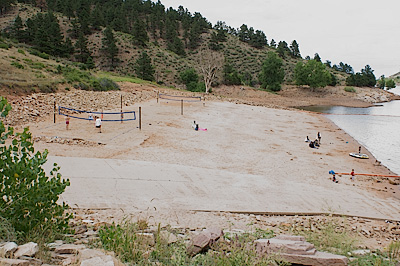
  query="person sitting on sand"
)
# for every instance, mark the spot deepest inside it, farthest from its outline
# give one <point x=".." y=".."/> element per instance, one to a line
<point x="311" y="145"/>
<point x="195" y="126"/>
<point x="316" y="143"/>
<point x="307" y="139"/>
<point x="334" y="180"/>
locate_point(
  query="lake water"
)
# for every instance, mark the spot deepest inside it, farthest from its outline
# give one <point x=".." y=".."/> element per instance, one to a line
<point x="376" y="128"/>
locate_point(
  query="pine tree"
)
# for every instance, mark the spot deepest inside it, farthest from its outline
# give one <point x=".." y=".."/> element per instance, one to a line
<point x="81" y="49"/>
<point x="143" y="67"/>
<point x="139" y="33"/>
<point x="109" y="46"/>
<point x="295" y="50"/>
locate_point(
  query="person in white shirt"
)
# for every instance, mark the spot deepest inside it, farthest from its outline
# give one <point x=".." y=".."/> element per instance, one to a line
<point x="98" y="123"/>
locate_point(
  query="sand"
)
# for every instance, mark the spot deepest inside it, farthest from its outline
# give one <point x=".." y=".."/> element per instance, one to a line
<point x="251" y="159"/>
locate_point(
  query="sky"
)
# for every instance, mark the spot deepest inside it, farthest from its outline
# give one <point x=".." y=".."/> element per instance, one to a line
<point x="355" y="32"/>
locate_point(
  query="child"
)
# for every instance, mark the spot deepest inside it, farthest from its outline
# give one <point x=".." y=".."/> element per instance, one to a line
<point x="67" y="122"/>
<point x="98" y="123"/>
<point x="334" y="180"/>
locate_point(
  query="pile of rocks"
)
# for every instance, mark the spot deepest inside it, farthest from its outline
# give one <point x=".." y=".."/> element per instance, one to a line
<point x="68" y="141"/>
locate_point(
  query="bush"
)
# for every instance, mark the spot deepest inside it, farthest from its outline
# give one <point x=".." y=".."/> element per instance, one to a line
<point x="28" y="197"/>
<point x="17" y="65"/>
<point x="107" y="84"/>
<point x="4" y="46"/>
<point x="21" y="51"/>
<point x="349" y="89"/>
<point x="40" y="54"/>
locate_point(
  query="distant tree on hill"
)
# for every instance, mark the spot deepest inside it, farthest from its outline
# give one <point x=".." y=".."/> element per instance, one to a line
<point x="17" y="29"/>
<point x="365" y="78"/>
<point x="390" y="84"/>
<point x="139" y="33"/>
<point x="328" y="64"/>
<point x="312" y="73"/>
<point x="381" y="82"/>
<point x="283" y="49"/>
<point x="4" y="5"/>
<point x="42" y="4"/>
<point x="190" y="78"/>
<point x="82" y="52"/>
<point x="143" y="67"/>
<point x="342" y="67"/>
<point x="273" y="43"/>
<point x="317" y="57"/>
<point x="247" y="78"/>
<point x="295" y="50"/>
<point x="231" y="76"/>
<point x="272" y="74"/>
<point x="109" y="46"/>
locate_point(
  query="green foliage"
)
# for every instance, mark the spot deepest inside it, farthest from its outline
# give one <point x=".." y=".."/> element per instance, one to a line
<point x="143" y="67"/>
<point x="21" y="51"/>
<point x="272" y="74"/>
<point x="390" y="84"/>
<point x="373" y="259"/>
<point x="39" y="54"/>
<point x="28" y="198"/>
<point x="4" y="46"/>
<point x="365" y="78"/>
<point x="381" y="82"/>
<point x="349" y="89"/>
<point x="109" y="46"/>
<point x="17" y="65"/>
<point x="128" y="243"/>
<point x="231" y="76"/>
<point x="312" y="73"/>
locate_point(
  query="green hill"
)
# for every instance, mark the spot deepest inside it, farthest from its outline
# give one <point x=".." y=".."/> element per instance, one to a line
<point x="49" y="36"/>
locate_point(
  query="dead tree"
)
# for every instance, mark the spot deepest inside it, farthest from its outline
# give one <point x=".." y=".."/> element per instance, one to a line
<point x="209" y="62"/>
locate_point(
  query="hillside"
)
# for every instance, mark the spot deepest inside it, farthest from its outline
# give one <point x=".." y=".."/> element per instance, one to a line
<point x="168" y="63"/>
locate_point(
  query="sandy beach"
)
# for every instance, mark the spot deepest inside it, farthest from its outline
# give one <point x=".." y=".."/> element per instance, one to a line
<point x="251" y="159"/>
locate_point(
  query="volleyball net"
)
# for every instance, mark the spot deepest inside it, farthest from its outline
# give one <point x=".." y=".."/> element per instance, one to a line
<point x="89" y="115"/>
<point x="179" y="98"/>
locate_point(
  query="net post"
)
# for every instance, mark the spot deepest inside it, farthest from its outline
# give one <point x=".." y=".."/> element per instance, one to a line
<point x="54" y="111"/>
<point x="158" y="95"/>
<point x="140" y="118"/>
<point x="181" y="107"/>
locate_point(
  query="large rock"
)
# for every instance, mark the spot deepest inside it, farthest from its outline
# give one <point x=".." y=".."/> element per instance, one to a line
<point x="89" y="257"/>
<point x="69" y="249"/>
<point x="295" y="249"/>
<point x="29" y="250"/>
<point x="7" y="249"/>
<point x="13" y="262"/>
<point x="202" y="241"/>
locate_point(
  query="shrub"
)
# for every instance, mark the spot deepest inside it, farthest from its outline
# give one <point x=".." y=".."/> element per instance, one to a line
<point x="28" y="197"/>
<point x="107" y="84"/>
<point x="21" y="51"/>
<point x="349" y="89"/>
<point x="4" y="46"/>
<point x="17" y="65"/>
<point x="40" y="54"/>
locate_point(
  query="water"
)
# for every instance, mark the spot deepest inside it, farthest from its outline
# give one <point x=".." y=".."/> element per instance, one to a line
<point x="376" y="128"/>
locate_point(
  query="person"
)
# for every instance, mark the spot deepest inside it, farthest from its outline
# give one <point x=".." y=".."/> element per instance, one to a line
<point x="98" y="123"/>
<point x="319" y="137"/>
<point x="334" y="180"/>
<point x="352" y="175"/>
<point x="307" y="139"/>
<point x="195" y="126"/>
<point x="311" y="145"/>
<point x="316" y="143"/>
<point x="359" y="149"/>
<point x="67" y="122"/>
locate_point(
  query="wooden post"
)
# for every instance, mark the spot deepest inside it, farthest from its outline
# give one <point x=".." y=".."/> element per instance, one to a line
<point x="140" y="118"/>
<point x="158" y="95"/>
<point x="55" y="110"/>
<point x="181" y="107"/>
<point x="122" y="115"/>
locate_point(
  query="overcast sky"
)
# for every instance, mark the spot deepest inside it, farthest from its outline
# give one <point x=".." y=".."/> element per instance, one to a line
<point x="356" y="32"/>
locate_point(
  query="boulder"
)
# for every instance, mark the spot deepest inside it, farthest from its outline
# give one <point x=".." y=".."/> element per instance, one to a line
<point x="202" y="241"/>
<point x="29" y="250"/>
<point x="13" y="262"/>
<point x="68" y="249"/>
<point x="7" y="249"/>
<point x="97" y="261"/>
<point x="296" y="250"/>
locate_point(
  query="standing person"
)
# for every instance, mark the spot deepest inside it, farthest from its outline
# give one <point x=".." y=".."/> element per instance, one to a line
<point x="319" y="137"/>
<point x="352" y="175"/>
<point x="359" y="149"/>
<point x="98" y="123"/>
<point x="67" y="122"/>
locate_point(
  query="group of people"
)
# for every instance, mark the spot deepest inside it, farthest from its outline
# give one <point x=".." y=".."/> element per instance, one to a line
<point x="335" y="180"/>
<point x="97" y="122"/>
<point x="316" y="143"/>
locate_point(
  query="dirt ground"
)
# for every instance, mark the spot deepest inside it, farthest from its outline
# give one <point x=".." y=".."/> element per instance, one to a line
<point x="242" y="139"/>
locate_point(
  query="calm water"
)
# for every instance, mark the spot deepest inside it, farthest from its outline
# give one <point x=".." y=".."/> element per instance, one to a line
<point x="376" y="128"/>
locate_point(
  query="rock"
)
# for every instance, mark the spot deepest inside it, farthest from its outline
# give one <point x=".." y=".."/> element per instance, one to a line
<point x="97" y="261"/>
<point x="81" y="229"/>
<point x="28" y="250"/>
<point x="202" y="241"/>
<point x="167" y="237"/>
<point x="68" y="249"/>
<point x="7" y="249"/>
<point x="13" y="262"/>
<point x="297" y="251"/>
